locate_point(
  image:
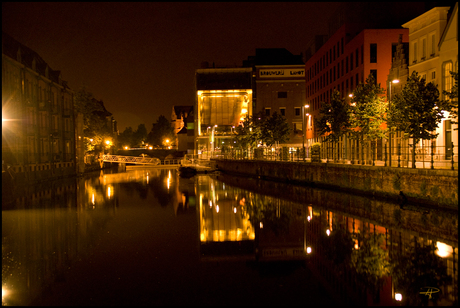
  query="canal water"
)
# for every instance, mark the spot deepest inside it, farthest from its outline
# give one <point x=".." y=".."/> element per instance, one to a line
<point x="150" y="237"/>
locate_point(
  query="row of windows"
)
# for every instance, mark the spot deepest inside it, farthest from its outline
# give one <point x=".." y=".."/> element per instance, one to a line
<point x="347" y="64"/>
<point x="420" y="50"/>
<point x="341" y="69"/>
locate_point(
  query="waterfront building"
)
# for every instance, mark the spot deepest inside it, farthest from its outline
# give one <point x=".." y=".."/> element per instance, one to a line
<point x="433" y="53"/>
<point x="341" y="64"/>
<point x="38" y="119"/>
<point x="223" y="99"/>
<point x="183" y="124"/>
<point x="280" y="87"/>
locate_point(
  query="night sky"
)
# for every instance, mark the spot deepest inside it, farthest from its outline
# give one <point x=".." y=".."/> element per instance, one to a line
<point x="140" y="58"/>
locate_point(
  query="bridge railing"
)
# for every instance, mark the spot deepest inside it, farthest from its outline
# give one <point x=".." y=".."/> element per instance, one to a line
<point x="131" y="159"/>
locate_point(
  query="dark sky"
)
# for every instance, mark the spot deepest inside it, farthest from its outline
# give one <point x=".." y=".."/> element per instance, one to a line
<point x="140" y="58"/>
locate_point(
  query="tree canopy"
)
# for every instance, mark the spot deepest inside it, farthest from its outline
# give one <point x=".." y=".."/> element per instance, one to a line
<point x="260" y="129"/>
<point x="333" y="119"/>
<point x="95" y="124"/>
<point x="366" y="113"/>
<point x="416" y="110"/>
<point x="160" y="132"/>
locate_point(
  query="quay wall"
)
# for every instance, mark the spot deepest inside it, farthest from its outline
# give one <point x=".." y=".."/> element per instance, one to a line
<point x="428" y="187"/>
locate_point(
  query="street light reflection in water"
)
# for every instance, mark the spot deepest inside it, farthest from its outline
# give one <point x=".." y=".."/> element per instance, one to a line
<point x="50" y="229"/>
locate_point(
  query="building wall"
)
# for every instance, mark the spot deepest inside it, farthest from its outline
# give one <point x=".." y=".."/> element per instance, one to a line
<point x="342" y="63"/>
<point x="281" y="89"/>
<point x="433" y="43"/>
<point x="38" y="141"/>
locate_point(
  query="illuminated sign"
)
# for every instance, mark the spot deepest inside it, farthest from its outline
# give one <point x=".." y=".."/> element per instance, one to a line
<point x="289" y="72"/>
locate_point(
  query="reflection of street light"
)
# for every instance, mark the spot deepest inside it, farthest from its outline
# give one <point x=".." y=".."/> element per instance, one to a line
<point x="389" y="110"/>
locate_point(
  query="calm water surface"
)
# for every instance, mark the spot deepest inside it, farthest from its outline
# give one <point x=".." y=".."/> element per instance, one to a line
<point x="150" y="237"/>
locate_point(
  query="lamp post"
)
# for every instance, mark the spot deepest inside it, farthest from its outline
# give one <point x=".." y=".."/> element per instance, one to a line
<point x="304" y="128"/>
<point x="389" y="111"/>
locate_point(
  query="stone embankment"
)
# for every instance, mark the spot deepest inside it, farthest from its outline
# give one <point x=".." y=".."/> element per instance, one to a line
<point x="434" y="188"/>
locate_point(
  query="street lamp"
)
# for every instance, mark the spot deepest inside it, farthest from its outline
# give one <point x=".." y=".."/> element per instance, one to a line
<point x="304" y="128"/>
<point x="389" y="111"/>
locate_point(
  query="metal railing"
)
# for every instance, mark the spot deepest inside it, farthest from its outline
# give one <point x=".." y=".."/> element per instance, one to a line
<point x="430" y="157"/>
<point x="131" y="159"/>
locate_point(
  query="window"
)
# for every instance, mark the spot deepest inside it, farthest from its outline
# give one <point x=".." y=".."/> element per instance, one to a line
<point x="433" y="45"/>
<point x="283" y="111"/>
<point x="414" y="48"/>
<point x="282" y="94"/>
<point x="357" y="57"/>
<point x="447" y="77"/>
<point x="351" y="62"/>
<point x="297" y="111"/>
<point x="373" y="52"/>
<point x="267" y="111"/>
<point x="423" y="49"/>
<point x="433" y="75"/>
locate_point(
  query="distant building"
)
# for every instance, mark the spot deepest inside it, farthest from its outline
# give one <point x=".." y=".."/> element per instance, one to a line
<point x="38" y="127"/>
<point x="280" y="87"/>
<point x="223" y="99"/>
<point x="182" y="121"/>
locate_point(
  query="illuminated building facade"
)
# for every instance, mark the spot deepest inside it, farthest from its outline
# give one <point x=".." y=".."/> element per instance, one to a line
<point x="433" y="53"/>
<point x="224" y="98"/>
<point x="342" y="63"/>
<point x="38" y="127"/>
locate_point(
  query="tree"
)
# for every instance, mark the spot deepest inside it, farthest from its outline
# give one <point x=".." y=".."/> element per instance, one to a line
<point x="274" y="129"/>
<point x="245" y="134"/>
<point x="416" y="110"/>
<point x="126" y="138"/>
<point x="259" y="128"/>
<point x="333" y="119"/>
<point x="94" y="118"/>
<point x="451" y="104"/>
<point x="366" y="114"/>
<point x="140" y="135"/>
<point x="161" y="131"/>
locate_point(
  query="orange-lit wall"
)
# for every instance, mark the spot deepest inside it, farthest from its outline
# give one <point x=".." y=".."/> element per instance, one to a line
<point x="318" y="70"/>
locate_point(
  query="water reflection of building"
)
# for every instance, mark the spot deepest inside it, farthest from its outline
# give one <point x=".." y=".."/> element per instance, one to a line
<point x="237" y="223"/>
<point x="328" y="212"/>
<point x="342" y="278"/>
<point x="49" y="226"/>
<point x="225" y="228"/>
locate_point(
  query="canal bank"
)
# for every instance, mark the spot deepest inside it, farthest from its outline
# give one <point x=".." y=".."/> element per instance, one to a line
<point x="434" y="188"/>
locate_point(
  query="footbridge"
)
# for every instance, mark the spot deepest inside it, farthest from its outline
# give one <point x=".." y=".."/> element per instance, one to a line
<point x="142" y="160"/>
